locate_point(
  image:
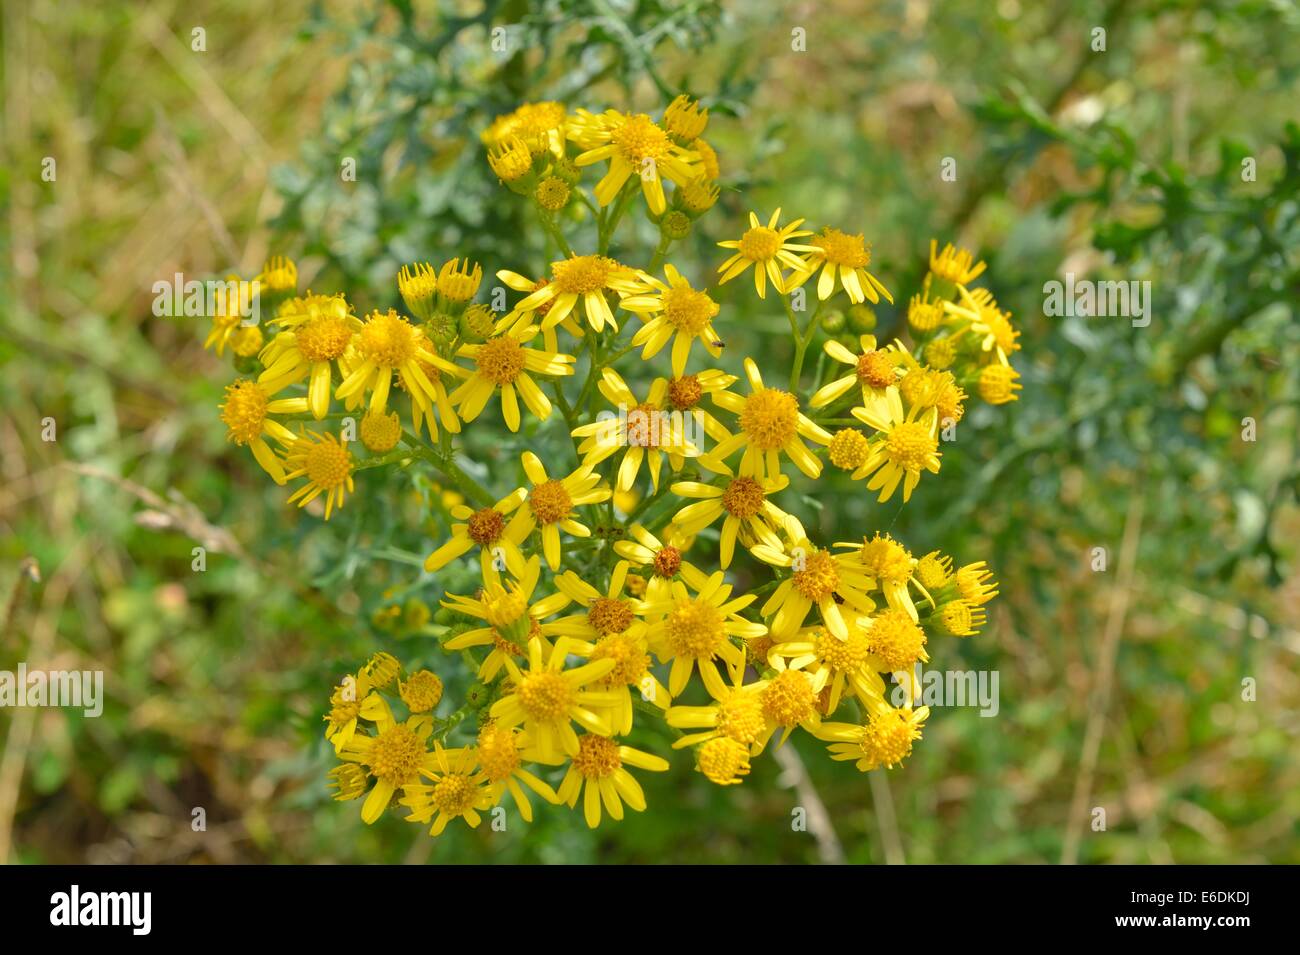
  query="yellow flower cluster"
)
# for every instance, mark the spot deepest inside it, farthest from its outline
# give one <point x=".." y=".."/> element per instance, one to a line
<point x="603" y="586"/>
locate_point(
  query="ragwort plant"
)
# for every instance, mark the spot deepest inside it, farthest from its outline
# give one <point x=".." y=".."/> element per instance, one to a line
<point x="603" y="592"/>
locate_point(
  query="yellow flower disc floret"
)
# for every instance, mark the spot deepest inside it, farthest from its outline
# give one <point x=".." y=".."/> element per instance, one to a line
<point x="789" y="699"/>
<point x="597" y="757"/>
<point x="770" y="418"/>
<point x="896" y="640"/>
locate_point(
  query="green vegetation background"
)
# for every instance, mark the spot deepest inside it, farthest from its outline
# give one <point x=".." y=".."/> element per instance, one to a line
<point x="1124" y="163"/>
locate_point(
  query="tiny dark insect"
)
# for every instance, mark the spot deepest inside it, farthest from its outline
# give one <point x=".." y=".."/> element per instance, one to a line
<point x="719" y="344"/>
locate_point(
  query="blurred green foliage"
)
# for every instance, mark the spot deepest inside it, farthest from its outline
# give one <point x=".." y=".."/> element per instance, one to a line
<point x="1120" y="164"/>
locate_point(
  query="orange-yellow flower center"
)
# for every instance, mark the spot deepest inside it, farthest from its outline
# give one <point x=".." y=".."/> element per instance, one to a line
<point x="645" y="426"/>
<point x="695" y="629"/>
<point x="740" y="717"/>
<point x="545" y="696"/>
<point x="885" y="559"/>
<point x="668" y="562"/>
<point x="500" y="359"/>
<point x="630" y="660"/>
<point x="896" y="639"/>
<point x="770" y="418"/>
<point x="759" y="244"/>
<point x="819" y="577"/>
<point x="550" y="502"/>
<point x="843" y="656"/>
<point x="244" y="410"/>
<point x="743" y="498"/>
<point x="722" y="760"/>
<point x="453" y="794"/>
<point x="841" y="248"/>
<point x="998" y="385"/>
<point x="876" y="369"/>
<point x="422" y="692"/>
<point x="911" y="445"/>
<point x="639" y="139"/>
<point x="485" y="526"/>
<point x="848" y="449"/>
<point x="395" y="755"/>
<point x="685" y="392"/>
<point x="505" y="606"/>
<point x="388" y="340"/>
<point x="887" y="740"/>
<point x="324" y="338"/>
<point x="687" y="310"/>
<point x="609" y="615"/>
<point x="379" y="432"/>
<point x="498" y="754"/>
<point x="328" y="463"/>
<point x="597" y="757"/>
<point x="789" y="699"/>
<point x="582" y="274"/>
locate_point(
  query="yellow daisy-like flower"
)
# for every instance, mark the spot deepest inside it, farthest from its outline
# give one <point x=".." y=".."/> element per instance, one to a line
<point x="672" y="310"/>
<point x="736" y="715"/>
<point x="501" y="753"/>
<point x="768" y="249"/>
<point x="597" y="772"/>
<point x="723" y="761"/>
<point x="742" y="503"/>
<point x="709" y="167"/>
<point x="421" y="692"/>
<point x="908" y="444"/>
<point x="634" y="145"/>
<point x="685" y="118"/>
<point x="346" y="700"/>
<point x="395" y="755"/>
<point x="385" y="344"/>
<point x="770" y="422"/>
<point x="834" y="663"/>
<point x="422" y="410"/>
<point x="518" y="318"/>
<point x="891" y="566"/>
<point x="954" y="265"/>
<point x="925" y="314"/>
<point x="540" y="126"/>
<point x="998" y="384"/>
<point x="321" y="327"/>
<point x="818" y="578"/>
<point x="975" y="583"/>
<point x="551" y="504"/>
<point x="234" y="305"/>
<point x="512" y="616"/>
<point x="581" y="279"/>
<point x="649" y="430"/>
<point x="458" y="282"/>
<point x="247" y="415"/>
<point x="457" y="789"/>
<point x="502" y="362"/>
<point x="788" y="701"/>
<point x="885" y="740"/>
<point x="510" y="159"/>
<point x="988" y="323"/>
<point x="547" y="699"/>
<point x="491" y="529"/>
<point x="696" y="632"/>
<point x="278" y="279"/>
<point x="875" y="371"/>
<point x="326" y="463"/>
<point x="840" y="254"/>
<point x="663" y="558"/>
<point x="418" y="285"/>
<point x="613" y="627"/>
